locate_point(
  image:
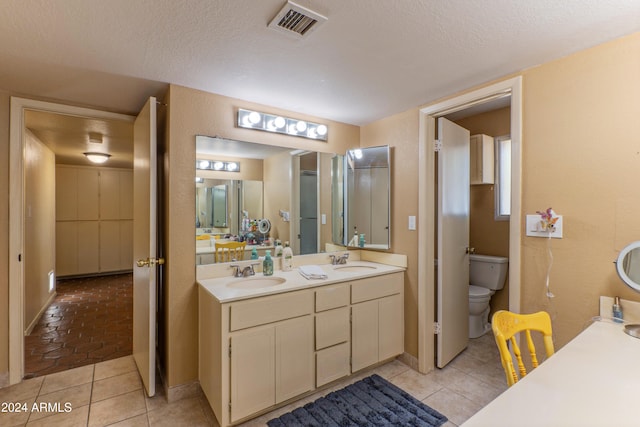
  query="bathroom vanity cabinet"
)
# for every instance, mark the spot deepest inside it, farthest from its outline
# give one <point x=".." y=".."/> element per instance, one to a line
<point x="258" y="353"/>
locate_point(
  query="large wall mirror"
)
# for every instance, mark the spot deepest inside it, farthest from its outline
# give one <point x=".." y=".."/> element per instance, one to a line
<point x="313" y="200"/>
<point x="367" y="189"/>
<point x="290" y="190"/>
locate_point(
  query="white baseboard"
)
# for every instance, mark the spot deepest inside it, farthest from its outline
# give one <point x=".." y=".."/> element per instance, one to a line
<point x="409" y="360"/>
<point x="35" y="321"/>
<point x="4" y="379"/>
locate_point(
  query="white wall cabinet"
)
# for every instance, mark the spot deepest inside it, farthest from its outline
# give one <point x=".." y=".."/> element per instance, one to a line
<point x="481" y="160"/>
<point x="94" y="220"/>
<point x="256" y="354"/>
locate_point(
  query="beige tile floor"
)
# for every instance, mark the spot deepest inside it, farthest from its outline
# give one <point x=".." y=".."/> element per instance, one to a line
<point x="110" y="394"/>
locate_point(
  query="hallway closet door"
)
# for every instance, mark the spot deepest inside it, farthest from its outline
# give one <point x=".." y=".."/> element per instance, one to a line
<point x="453" y="241"/>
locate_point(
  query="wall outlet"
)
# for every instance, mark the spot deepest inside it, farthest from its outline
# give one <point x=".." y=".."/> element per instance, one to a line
<point x="534" y="227"/>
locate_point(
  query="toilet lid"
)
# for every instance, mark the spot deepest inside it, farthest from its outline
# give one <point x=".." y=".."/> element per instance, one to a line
<point x="478" y="291"/>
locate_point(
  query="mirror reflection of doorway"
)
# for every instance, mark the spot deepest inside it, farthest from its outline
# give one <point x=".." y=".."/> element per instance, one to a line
<point x="308" y="203"/>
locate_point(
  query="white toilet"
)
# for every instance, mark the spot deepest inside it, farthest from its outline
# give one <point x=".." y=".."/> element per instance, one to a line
<point x="487" y="274"/>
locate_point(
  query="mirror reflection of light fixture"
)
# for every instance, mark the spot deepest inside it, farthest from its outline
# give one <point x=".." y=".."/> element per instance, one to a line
<point x="217" y="165"/>
<point x="278" y="124"/>
<point x="97" y="157"/>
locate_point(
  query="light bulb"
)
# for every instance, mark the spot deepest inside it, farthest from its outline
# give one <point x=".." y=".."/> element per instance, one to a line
<point x="232" y="166"/>
<point x="218" y="166"/>
<point x="279" y="122"/>
<point x="204" y="164"/>
<point x="301" y="126"/>
<point x="254" y="117"/>
<point x="322" y="130"/>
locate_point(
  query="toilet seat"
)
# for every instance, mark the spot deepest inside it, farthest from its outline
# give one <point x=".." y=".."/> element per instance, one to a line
<point x="479" y="292"/>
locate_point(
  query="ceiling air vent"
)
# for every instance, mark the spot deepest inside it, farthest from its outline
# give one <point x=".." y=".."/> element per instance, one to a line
<point x="296" y="20"/>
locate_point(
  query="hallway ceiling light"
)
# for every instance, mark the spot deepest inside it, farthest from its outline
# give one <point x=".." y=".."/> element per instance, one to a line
<point x="97" y="157"/>
<point x="278" y="124"/>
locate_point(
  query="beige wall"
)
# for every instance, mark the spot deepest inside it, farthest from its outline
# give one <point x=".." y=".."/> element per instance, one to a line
<point x="192" y="113"/>
<point x="581" y="155"/>
<point x="39" y="239"/>
<point x="486" y="235"/>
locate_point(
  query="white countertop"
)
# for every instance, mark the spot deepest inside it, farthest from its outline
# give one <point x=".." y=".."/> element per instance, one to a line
<point x="293" y="280"/>
<point x="594" y="380"/>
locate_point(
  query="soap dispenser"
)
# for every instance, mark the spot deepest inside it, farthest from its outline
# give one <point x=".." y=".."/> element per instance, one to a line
<point x="617" y="311"/>
<point x="254" y="253"/>
<point x="287" y="258"/>
<point x="267" y="264"/>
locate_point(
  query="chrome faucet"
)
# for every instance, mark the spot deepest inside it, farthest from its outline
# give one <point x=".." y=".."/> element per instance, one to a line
<point x="342" y="259"/>
<point x="244" y="272"/>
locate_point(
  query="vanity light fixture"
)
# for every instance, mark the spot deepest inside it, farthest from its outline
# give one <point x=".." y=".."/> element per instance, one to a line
<point x="272" y="123"/>
<point x="97" y="157"/>
<point x="217" y="165"/>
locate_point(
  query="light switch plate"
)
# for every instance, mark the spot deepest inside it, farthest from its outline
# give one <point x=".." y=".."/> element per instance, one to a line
<point x="323" y="219"/>
<point x="412" y="222"/>
<point x="534" y="228"/>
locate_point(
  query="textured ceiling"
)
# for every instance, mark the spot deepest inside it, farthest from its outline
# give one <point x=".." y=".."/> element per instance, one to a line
<point x="369" y="60"/>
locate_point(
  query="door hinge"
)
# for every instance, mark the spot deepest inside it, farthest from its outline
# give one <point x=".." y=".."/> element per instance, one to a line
<point x="437" y="145"/>
<point x="229" y="350"/>
<point x="437" y="329"/>
<point x="229" y="406"/>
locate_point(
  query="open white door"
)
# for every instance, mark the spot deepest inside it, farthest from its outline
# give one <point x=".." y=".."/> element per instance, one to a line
<point x="453" y="241"/>
<point x="145" y="244"/>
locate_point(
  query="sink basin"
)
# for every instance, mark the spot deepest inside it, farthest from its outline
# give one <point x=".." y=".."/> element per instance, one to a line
<point x="256" y="282"/>
<point x="355" y="268"/>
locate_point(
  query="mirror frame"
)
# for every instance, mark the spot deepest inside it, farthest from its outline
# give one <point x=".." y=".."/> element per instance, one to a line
<point x="620" y="265"/>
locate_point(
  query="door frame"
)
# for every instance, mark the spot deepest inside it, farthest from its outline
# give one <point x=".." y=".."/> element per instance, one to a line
<point x="16" y="215"/>
<point x="426" y="205"/>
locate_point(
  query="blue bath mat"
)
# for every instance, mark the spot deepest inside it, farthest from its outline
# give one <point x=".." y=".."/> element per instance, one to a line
<point x="372" y="401"/>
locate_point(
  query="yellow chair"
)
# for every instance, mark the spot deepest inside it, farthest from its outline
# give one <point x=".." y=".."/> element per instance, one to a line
<point x="230" y="251"/>
<point x="507" y="325"/>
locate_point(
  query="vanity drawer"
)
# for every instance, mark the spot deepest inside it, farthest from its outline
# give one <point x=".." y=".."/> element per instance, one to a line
<point x="332" y="297"/>
<point x="332" y="363"/>
<point x="376" y="287"/>
<point x="332" y="327"/>
<point x="259" y="311"/>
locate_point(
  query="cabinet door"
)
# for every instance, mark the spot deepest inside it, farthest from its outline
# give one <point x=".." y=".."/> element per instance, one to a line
<point x="391" y="327"/>
<point x="88" y="251"/>
<point x="66" y="248"/>
<point x="294" y="357"/>
<point x="126" y="194"/>
<point x="109" y="194"/>
<point x="66" y="194"/>
<point x="364" y="335"/>
<point x="109" y="246"/>
<point x="252" y="371"/>
<point x="88" y="194"/>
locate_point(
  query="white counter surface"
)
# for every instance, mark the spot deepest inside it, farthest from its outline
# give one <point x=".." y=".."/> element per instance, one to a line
<point x="594" y="380"/>
<point x="293" y="280"/>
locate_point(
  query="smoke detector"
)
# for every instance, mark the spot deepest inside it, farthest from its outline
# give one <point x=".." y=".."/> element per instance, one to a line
<point x="296" y="20"/>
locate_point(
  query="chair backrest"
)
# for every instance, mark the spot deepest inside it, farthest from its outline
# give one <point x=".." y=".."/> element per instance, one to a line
<point x="507" y="325"/>
<point x="229" y="251"/>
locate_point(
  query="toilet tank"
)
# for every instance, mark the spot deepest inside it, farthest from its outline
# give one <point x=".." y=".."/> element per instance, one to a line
<point x="488" y="271"/>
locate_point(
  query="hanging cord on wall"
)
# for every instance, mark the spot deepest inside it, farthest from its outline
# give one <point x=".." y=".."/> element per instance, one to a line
<point x="549" y="293"/>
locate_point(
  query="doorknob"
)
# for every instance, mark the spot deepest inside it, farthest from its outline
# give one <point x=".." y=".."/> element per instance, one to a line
<point x="150" y="262"/>
<point x="471" y="250"/>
